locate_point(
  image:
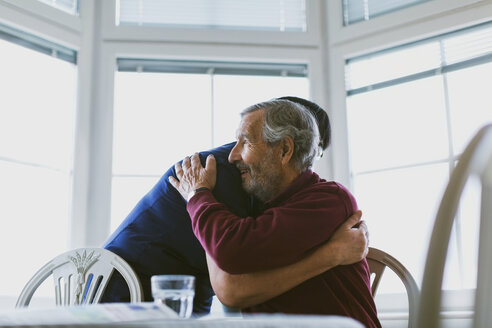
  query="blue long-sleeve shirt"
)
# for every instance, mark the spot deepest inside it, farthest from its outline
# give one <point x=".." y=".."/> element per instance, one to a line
<point x="157" y="238"/>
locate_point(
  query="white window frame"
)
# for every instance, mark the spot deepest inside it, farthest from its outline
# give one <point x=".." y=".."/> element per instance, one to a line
<point x="114" y="50"/>
<point x="390" y="32"/>
<point x="338" y="33"/>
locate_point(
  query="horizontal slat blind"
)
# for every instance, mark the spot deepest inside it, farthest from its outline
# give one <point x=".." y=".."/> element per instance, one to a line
<point x="445" y="53"/>
<point x="274" y="15"/>
<point x="35" y="43"/>
<point x="207" y="67"/>
<point x="69" y="6"/>
<point x="360" y="10"/>
<point x="470" y="44"/>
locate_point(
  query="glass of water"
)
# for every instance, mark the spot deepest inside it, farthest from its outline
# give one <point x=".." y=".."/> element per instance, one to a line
<point x="174" y="291"/>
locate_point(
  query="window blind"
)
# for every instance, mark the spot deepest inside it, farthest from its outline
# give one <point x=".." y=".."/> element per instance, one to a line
<point x="38" y="44"/>
<point x="360" y="10"/>
<point x="69" y="6"/>
<point x="274" y="15"/>
<point x="437" y="55"/>
<point x="209" y="67"/>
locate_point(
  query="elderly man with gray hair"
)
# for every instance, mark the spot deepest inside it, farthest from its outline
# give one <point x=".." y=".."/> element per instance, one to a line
<point x="277" y="142"/>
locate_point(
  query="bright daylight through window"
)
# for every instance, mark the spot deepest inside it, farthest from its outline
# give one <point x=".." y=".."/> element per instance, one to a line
<point x="411" y="111"/>
<point x="36" y="147"/>
<point x="153" y="109"/>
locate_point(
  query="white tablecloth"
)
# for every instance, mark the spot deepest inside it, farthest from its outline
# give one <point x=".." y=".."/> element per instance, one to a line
<point x="150" y="315"/>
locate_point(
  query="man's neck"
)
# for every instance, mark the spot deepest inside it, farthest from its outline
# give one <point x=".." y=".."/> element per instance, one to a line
<point x="290" y="174"/>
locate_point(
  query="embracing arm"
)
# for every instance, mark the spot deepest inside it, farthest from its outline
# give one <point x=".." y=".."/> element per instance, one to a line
<point x="349" y="244"/>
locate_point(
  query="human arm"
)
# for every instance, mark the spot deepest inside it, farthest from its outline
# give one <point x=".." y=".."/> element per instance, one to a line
<point x="282" y="234"/>
<point x="347" y="245"/>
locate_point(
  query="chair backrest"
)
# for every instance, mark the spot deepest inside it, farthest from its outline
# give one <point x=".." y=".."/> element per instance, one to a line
<point x="475" y="160"/>
<point x="378" y="260"/>
<point x="80" y="277"/>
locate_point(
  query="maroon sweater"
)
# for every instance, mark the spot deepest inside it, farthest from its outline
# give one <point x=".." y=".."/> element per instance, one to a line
<point x="294" y="223"/>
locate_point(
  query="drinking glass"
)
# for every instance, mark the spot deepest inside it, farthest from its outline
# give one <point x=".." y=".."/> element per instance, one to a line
<point x="174" y="291"/>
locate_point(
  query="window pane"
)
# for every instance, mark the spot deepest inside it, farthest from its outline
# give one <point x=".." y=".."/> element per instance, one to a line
<point x="35" y="210"/>
<point x="284" y="15"/>
<point x="159" y="118"/>
<point x="230" y="98"/>
<point x="400" y="125"/>
<point x="36" y="114"/>
<point x="399" y="207"/>
<point x="125" y="194"/>
<point x="36" y="149"/>
<point x="153" y="109"/>
<point x="470" y="102"/>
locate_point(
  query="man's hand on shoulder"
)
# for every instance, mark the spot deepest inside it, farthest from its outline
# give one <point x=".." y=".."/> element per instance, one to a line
<point x="191" y="175"/>
<point x="350" y="242"/>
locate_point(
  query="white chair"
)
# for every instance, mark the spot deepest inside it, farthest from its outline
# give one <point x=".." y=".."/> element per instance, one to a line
<point x="378" y="261"/>
<point x="475" y="160"/>
<point x="80" y="277"/>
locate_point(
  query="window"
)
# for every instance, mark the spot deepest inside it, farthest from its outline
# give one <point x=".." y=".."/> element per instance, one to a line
<point x="36" y="145"/>
<point x="282" y="15"/>
<point x="361" y="10"/>
<point x="160" y="117"/>
<point x="69" y="6"/>
<point x="409" y="121"/>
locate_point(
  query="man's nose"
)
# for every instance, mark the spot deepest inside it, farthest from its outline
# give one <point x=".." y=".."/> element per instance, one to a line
<point x="234" y="154"/>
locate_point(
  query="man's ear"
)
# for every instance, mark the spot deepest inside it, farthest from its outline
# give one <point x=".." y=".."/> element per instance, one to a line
<point x="287" y="150"/>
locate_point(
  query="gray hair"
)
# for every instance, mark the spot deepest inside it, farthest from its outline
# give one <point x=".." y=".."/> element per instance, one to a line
<point x="284" y="118"/>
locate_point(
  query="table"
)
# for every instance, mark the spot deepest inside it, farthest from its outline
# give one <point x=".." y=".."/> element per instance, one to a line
<point x="149" y="315"/>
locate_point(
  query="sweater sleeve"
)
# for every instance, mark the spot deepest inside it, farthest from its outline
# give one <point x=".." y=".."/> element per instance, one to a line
<point x="279" y="236"/>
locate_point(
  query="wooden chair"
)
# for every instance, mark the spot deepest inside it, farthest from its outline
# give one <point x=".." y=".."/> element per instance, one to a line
<point x="80" y="277"/>
<point x="378" y="261"/>
<point x="475" y="160"/>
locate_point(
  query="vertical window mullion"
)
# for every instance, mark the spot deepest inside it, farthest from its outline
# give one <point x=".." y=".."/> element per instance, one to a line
<point x="212" y="107"/>
<point x="451" y="164"/>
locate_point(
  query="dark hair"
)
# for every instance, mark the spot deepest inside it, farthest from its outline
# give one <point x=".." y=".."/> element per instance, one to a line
<point x="321" y="118"/>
